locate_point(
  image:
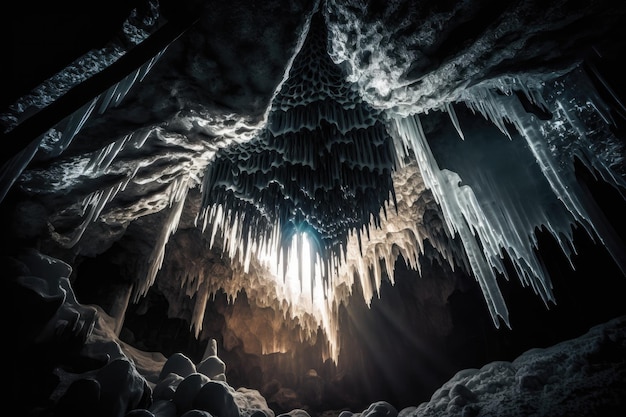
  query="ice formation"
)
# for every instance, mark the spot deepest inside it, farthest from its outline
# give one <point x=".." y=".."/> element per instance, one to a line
<point x="261" y="194"/>
<point x="54" y="141"/>
<point x="322" y="167"/>
<point x="332" y="187"/>
<point x="495" y="208"/>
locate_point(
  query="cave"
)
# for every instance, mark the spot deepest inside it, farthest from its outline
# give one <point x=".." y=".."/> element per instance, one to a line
<point x="320" y="208"/>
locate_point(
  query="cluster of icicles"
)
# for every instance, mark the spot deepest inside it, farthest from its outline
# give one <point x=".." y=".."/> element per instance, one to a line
<point x="320" y="169"/>
<point x="53" y="142"/>
<point x="483" y="231"/>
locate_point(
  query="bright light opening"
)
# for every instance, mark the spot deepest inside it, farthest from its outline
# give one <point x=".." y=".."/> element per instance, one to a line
<point x="302" y="283"/>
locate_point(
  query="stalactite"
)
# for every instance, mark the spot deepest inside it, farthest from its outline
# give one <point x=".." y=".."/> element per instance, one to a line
<point x="177" y="193"/>
<point x="92" y="207"/>
<point x="486" y="230"/>
<point x="322" y="151"/>
<point x="332" y="191"/>
<point x="454" y="119"/>
<point x="555" y="150"/>
<point x="69" y="127"/>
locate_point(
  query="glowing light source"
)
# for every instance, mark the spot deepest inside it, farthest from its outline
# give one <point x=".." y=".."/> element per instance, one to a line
<point x="298" y="274"/>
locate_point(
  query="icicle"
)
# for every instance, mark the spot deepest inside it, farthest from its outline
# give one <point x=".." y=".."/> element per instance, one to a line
<point x="115" y="94"/>
<point x="455" y="120"/>
<point x="125" y="85"/>
<point x="199" y="308"/>
<point x="74" y="124"/>
<point x="108" y="154"/>
<point x="93" y="205"/>
<point x="145" y="68"/>
<point x="459" y="209"/>
<point x="140" y="137"/>
<point x="178" y="192"/>
<point x="107" y="97"/>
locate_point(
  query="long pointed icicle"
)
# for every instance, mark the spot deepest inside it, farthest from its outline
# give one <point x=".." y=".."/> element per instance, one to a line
<point x="459" y="210"/>
<point x="177" y="196"/>
<point x="454" y="119"/>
